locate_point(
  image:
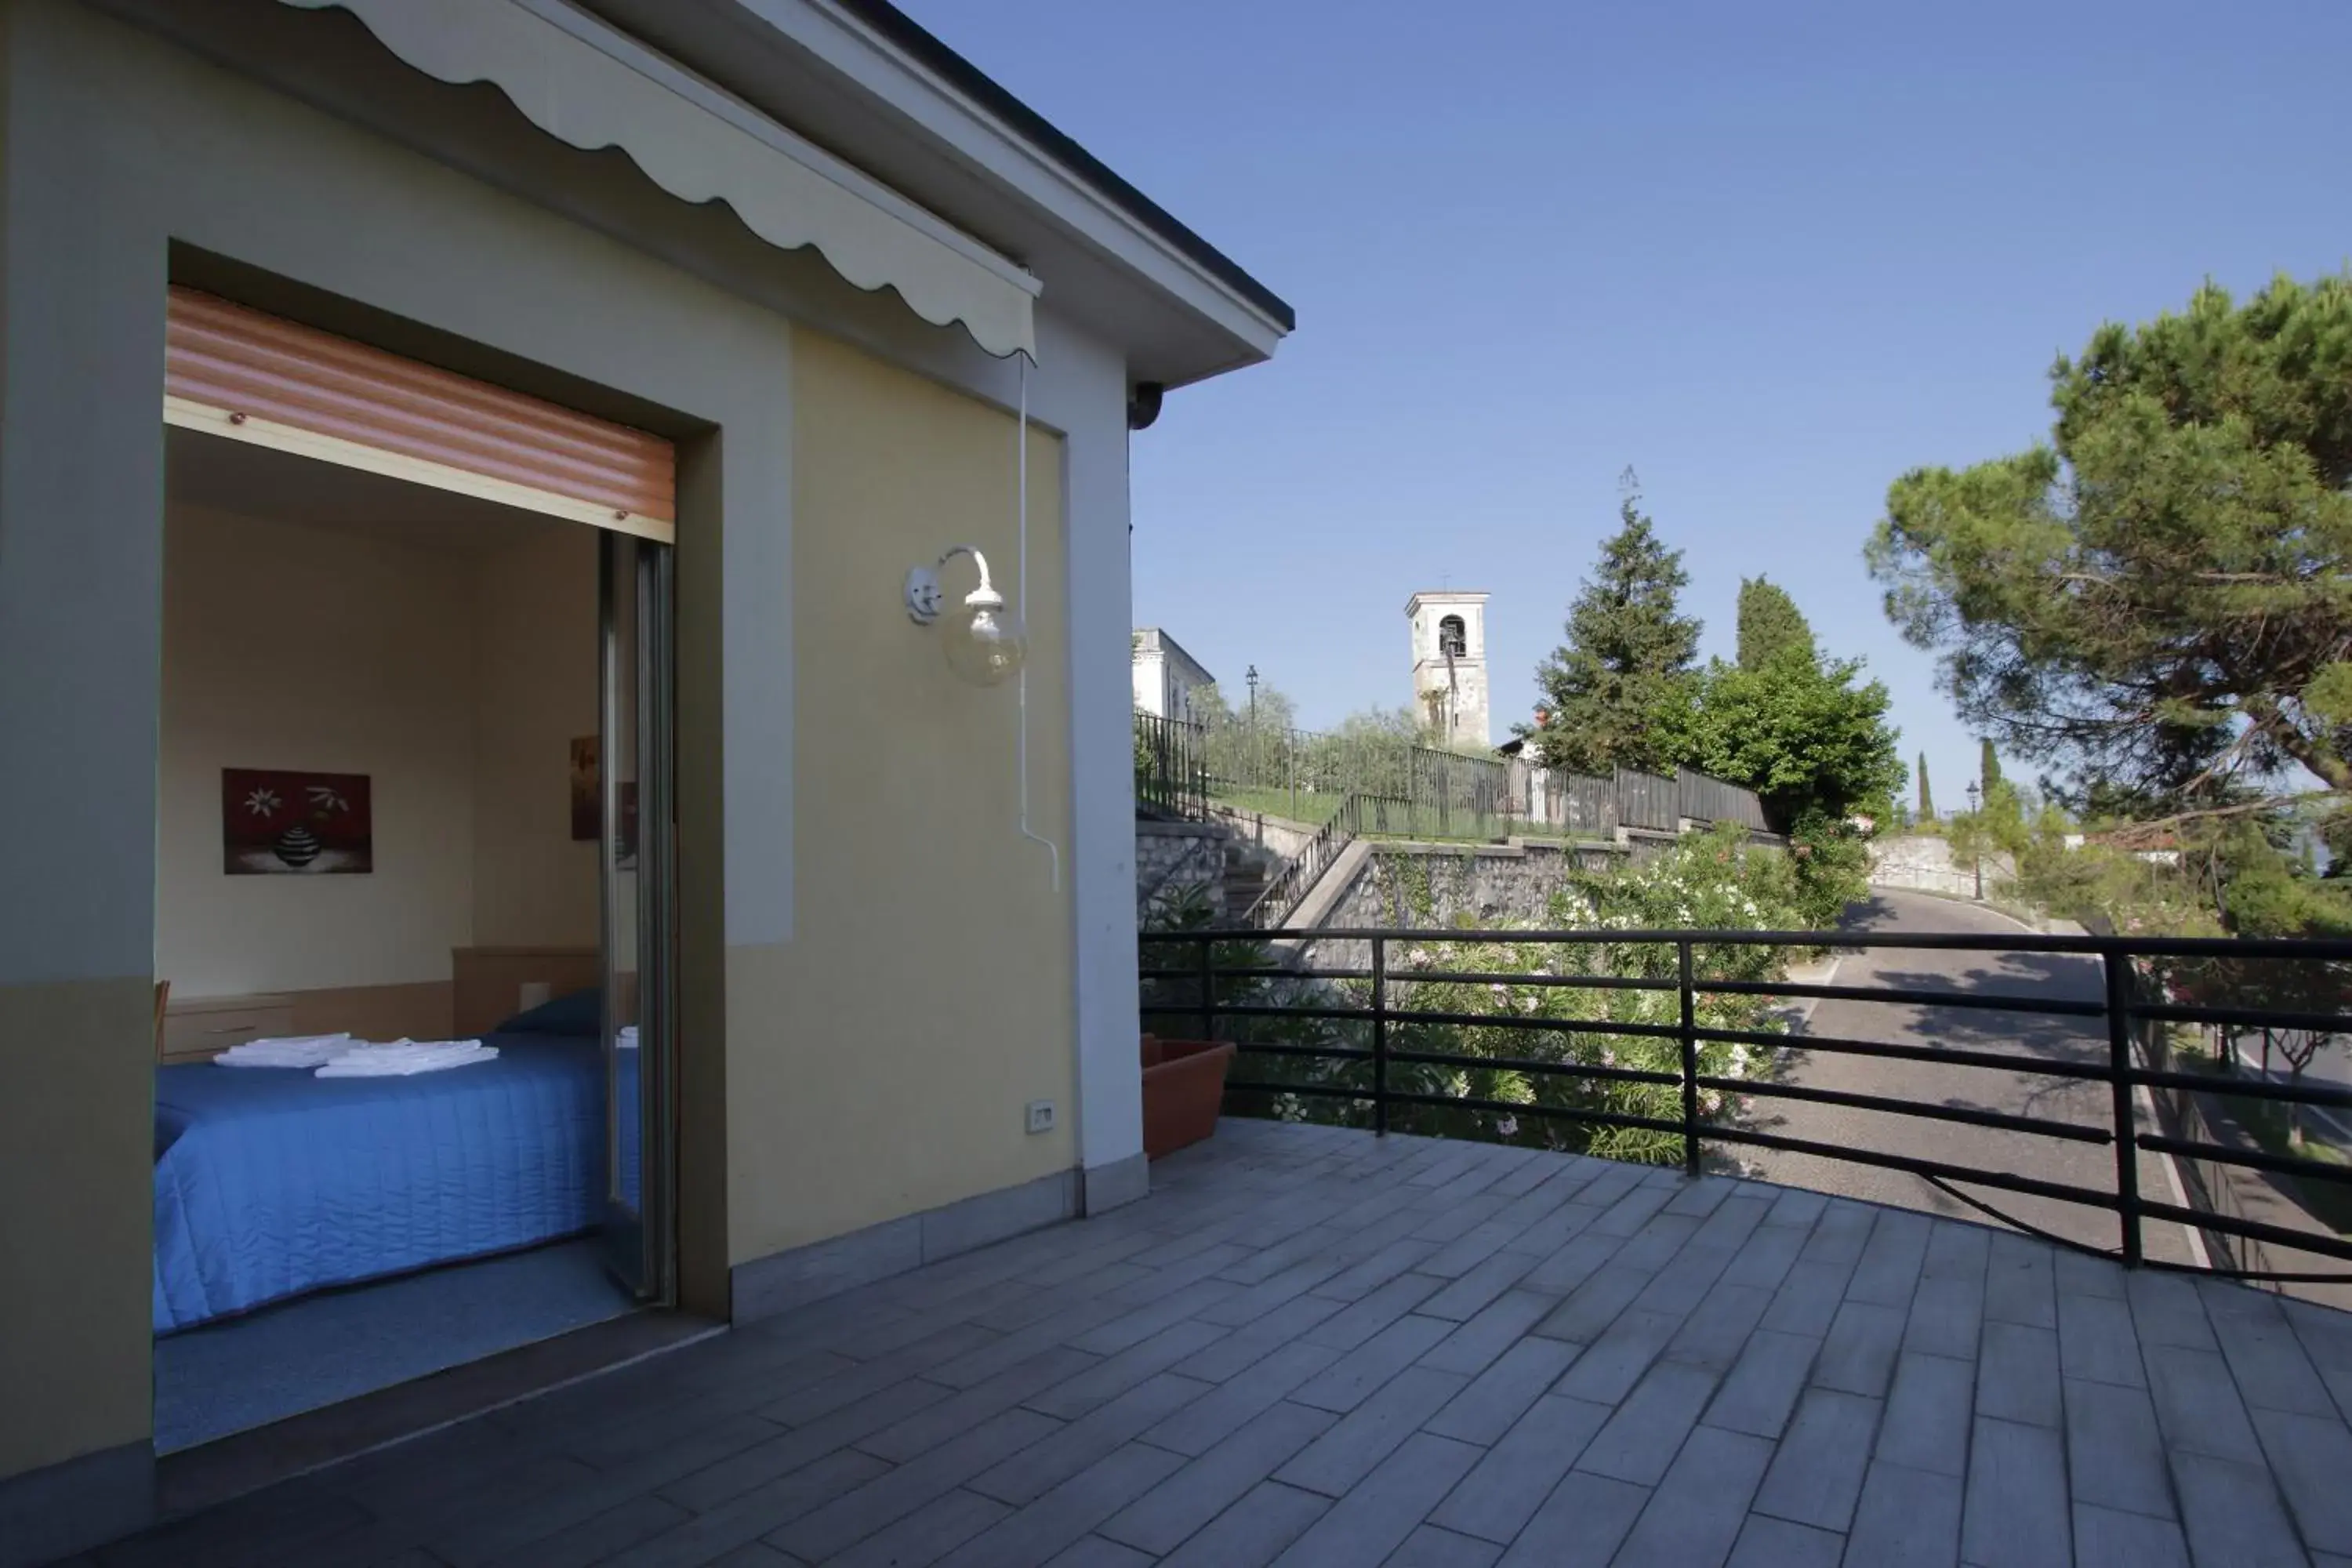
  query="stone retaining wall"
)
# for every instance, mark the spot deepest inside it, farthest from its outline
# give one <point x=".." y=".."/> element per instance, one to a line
<point x="1925" y="863"/>
<point x="1171" y="856"/>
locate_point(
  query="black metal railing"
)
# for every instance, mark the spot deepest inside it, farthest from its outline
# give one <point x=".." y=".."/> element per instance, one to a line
<point x="1357" y="815"/>
<point x="1172" y="768"/>
<point x="1302" y="775"/>
<point x="1224" y="985"/>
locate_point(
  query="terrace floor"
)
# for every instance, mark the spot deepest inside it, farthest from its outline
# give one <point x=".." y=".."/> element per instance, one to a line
<point x="1313" y="1346"/>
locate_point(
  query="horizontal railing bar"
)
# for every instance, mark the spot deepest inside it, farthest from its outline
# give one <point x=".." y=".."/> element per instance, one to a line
<point x="1563" y="1026"/>
<point x="1324" y="1092"/>
<point x="1320" y="1053"/>
<point x="2243" y="1087"/>
<point x="1967" y="1115"/>
<point x="2335" y="950"/>
<point x="1511" y="1108"/>
<point x="1192" y="972"/>
<point x="2055" y="1007"/>
<point x="2243" y="1017"/>
<point x="2253" y="1229"/>
<point x="2252" y="1159"/>
<point x="1969" y="1173"/>
<point x="1263" y="1010"/>
<point x="1997" y="1060"/>
<point x="1536" y="1065"/>
<point x="1401" y="1016"/>
<point x="1554" y="982"/>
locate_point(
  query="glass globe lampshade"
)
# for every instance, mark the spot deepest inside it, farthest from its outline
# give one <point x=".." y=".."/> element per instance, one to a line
<point x="986" y="647"/>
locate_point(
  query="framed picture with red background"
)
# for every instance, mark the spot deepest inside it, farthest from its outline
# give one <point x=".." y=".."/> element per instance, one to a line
<point x="280" y="822"/>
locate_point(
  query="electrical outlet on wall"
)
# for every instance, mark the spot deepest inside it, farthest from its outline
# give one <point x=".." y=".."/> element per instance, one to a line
<point x="1041" y="1116"/>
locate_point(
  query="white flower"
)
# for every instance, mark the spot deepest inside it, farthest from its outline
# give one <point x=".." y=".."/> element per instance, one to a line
<point x="1507" y="1126"/>
<point x="261" y="801"/>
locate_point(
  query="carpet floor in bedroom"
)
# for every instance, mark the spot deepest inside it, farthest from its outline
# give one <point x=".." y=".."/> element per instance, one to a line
<point x="320" y="1350"/>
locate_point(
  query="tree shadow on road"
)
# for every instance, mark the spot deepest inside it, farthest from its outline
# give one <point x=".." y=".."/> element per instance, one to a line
<point x="2025" y="1037"/>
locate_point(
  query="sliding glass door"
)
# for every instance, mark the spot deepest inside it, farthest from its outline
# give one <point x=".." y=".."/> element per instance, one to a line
<point x="638" y="905"/>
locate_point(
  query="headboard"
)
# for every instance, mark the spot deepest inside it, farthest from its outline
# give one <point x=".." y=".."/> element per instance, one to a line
<point x="489" y="980"/>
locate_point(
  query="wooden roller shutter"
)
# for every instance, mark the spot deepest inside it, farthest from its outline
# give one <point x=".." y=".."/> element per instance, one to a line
<point x="234" y="372"/>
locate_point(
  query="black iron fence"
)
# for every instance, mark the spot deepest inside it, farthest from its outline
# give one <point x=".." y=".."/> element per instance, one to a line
<point x="1171" y="767"/>
<point x="1309" y="777"/>
<point x="1350" y="1042"/>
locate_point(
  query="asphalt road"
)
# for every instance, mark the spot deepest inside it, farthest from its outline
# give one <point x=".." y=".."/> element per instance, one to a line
<point x="2029" y="1037"/>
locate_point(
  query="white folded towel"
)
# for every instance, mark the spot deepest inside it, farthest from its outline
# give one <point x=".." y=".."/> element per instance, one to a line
<point x="286" y="1051"/>
<point x="627" y="1038"/>
<point x="406" y="1058"/>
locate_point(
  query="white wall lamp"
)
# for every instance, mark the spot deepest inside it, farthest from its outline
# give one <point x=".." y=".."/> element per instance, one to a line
<point x="986" y="644"/>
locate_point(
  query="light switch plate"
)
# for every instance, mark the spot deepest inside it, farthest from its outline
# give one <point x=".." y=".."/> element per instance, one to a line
<point x="1041" y="1116"/>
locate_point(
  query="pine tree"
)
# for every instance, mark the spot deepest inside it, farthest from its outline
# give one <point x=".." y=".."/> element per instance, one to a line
<point x="1769" y="623"/>
<point x="1628" y="657"/>
<point x="2152" y="601"/>
<point x="1989" y="769"/>
<point x="1927" y="796"/>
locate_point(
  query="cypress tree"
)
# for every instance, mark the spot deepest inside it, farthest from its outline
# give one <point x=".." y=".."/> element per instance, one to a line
<point x="1927" y="796"/>
<point x="1769" y="623"/>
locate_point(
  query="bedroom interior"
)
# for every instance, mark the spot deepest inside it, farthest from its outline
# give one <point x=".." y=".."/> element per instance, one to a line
<point x="382" y="814"/>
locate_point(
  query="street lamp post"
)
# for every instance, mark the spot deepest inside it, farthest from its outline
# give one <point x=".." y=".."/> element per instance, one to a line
<point x="1977" y="838"/>
<point x="1252" y="679"/>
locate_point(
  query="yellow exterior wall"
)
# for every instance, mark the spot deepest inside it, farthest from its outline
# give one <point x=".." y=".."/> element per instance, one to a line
<point x="879" y="1063"/>
<point x="76" y="1245"/>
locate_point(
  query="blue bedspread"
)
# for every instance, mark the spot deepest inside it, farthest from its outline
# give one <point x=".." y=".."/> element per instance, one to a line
<point x="270" y="1182"/>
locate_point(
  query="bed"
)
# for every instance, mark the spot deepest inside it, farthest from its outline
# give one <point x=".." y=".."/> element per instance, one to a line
<point x="272" y="1183"/>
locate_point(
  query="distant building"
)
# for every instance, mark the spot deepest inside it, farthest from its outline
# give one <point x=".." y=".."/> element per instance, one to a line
<point x="1449" y="664"/>
<point x="1166" y="676"/>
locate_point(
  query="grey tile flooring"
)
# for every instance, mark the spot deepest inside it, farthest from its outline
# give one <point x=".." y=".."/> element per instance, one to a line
<point x="1372" y="1520"/>
<point x="1499" y="1495"/>
<point x="1817" y="1471"/>
<point x="1697" y="1511"/>
<point x="1762" y="1391"/>
<point x="1189" y="1498"/>
<point x="1767" y="1542"/>
<point x="2104" y="1537"/>
<point x="1926" y="1422"/>
<point x="2017" y="1373"/>
<point x="2115" y="1457"/>
<point x="2016" y="1504"/>
<point x="1483" y="1411"/>
<point x="1907" y="1516"/>
<point x="1311" y="1345"/>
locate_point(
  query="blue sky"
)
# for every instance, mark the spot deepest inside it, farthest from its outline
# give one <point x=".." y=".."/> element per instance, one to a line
<point x="1770" y="255"/>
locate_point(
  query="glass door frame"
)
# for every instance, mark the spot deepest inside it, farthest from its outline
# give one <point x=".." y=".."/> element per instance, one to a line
<point x="639" y="1240"/>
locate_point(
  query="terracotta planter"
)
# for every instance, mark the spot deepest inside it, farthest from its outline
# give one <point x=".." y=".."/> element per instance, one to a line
<point x="1184" y="1086"/>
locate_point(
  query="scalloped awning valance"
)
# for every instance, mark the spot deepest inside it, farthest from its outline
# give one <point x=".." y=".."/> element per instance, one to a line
<point x="591" y="86"/>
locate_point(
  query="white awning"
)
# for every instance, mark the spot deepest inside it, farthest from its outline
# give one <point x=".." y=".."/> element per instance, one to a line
<point x="594" y="87"/>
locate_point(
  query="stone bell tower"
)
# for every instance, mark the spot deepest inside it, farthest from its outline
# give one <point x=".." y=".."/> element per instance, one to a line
<point x="1449" y="664"/>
